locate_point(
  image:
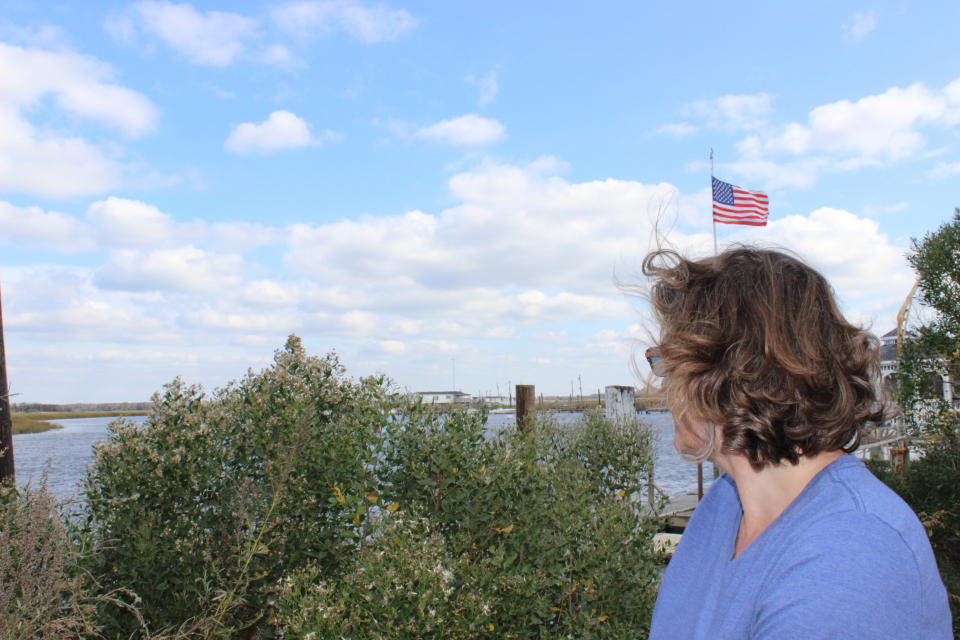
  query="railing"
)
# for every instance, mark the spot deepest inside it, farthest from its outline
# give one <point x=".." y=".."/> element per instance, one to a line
<point x="895" y="448"/>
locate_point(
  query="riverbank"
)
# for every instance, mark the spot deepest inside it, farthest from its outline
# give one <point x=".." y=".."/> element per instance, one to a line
<point x="39" y="421"/>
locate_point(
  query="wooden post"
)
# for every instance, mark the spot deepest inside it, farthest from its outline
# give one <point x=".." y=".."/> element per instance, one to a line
<point x="650" y="487"/>
<point x="526" y="405"/>
<point x="620" y="408"/>
<point x="699" y="481"/>
<point x="7" y="470"/>
<point x="620" y="404"/>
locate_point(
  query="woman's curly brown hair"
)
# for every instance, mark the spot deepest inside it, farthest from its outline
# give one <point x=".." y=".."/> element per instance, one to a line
<point x="752" y="340"/>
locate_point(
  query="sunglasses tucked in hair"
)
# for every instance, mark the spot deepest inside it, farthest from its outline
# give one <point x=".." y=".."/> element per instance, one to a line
<point x="654" y="359"/>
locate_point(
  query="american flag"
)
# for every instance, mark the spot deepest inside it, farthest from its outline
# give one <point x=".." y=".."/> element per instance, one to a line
<point x="736" y="205"/>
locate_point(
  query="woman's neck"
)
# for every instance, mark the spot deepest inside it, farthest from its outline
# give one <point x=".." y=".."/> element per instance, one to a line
<point x="765" y="494"/>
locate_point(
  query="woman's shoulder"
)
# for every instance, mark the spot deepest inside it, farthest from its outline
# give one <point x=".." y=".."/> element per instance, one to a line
<point x="849" y="496"/>
<point x="856" y="526"/>
<point x="855" y="553"/>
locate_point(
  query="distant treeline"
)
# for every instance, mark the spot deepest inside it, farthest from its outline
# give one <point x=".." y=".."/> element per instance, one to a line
<point x="80" y="407"/>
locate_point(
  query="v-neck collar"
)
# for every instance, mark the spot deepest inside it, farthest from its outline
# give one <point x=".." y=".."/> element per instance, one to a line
<point x="773" y="527"/>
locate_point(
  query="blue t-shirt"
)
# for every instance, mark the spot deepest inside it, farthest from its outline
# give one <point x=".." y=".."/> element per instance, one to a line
<point x="847" y="559"/>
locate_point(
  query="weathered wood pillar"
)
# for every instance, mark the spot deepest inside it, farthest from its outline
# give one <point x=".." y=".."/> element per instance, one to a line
<point x="620" y="406"/>
<point x="526" y="405"/>
<point x="7" y="470"/>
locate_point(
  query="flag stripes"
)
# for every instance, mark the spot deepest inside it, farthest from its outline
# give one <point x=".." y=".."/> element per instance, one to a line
<point x="736" y="205"/>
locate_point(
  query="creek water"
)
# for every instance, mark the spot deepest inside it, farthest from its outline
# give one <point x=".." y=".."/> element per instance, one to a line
<point x="66" y="453"/>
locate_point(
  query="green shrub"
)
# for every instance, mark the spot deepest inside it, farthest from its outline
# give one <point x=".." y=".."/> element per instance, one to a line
<point x="405" y="584"/>
<point x="297" y="501"/>
<point x="541" y="534"/>
<point x="203" y="509"/>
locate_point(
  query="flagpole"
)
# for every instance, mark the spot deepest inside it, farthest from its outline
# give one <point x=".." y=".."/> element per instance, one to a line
<point x="711" y="204"/>
<point x="714" y="220"/>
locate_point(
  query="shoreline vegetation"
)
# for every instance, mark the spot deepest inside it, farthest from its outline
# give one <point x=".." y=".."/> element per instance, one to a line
<point x="36" y="417"/>
<point x="39" y="421"/>
<point x="301" y="502"/>
<point x="28" y="424"/>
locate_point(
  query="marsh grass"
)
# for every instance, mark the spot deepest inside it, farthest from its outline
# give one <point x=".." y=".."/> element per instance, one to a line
<point x="43" y="594"/>
<point x="65" y="415"/>
<point x="29" y="424"/>
<point x="39" y="421"/>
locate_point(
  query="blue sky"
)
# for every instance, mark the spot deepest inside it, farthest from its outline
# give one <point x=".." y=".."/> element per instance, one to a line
<point x="439" y="190"/>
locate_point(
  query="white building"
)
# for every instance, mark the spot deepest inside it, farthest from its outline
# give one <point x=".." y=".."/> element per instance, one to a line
<point x="444" y="397"/>
<point x="888" y="359"/>
<point x="888" y="369"/>
<point x="494" y="399"/>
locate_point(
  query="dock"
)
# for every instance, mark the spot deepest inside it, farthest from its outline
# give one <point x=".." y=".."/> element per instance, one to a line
<point x="676" y="514"/>
<point x="678" y="511"/>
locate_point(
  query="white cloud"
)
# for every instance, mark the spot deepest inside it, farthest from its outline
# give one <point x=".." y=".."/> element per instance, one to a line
<point x="271" y="323"/>
<point x="241" y="237"/>
<point x="392" y="347"/>
<point x="368" y="24"/>
<point x="945" y="169"/>
<point x="61" y="303"/>
<point x="47" y="36"/>
<point x="50" y="163"/>
<point x="520" y="254"/>
<point x="80" y="85"/>
<point x="82" y="317"/>
<point x="862" y="24"/>
<point x="186" y="269"/>
<point x="281" y="130"/>
<point x="214" y="38"/>
<point x="44" y="228"/>
<point x="540" y="232"/>
<point x="846" y="135"/>
<point x="550" y="260"/>
<point x="679" y="129"/>
<point x="121" y="27"/>
<point x="880" y="210"/>
<point x="733" y="111"/>
<point x="487" y="87"/>
<point x="120" y="222"/>
<point x="279" y="55"/>
<point x="374" y="24"/>
<point x="358" y="323"/>
<point x="465" y="131"/>
<point x="882" y="126"/>
<point x="130" y="223"/>
<point x="223" y="94"/>
<point x="798" y="174"/>
<point x="270" y="293"/>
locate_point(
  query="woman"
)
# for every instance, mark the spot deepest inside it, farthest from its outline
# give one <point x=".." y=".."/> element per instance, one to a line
<point x="796" y="539"/>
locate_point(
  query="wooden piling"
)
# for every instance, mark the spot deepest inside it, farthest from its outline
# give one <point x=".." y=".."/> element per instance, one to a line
<point x="526" y="405"/>
<point x="7" y="469"/>
<point x="620" y="408"/>
<point x="620" y="404"/>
